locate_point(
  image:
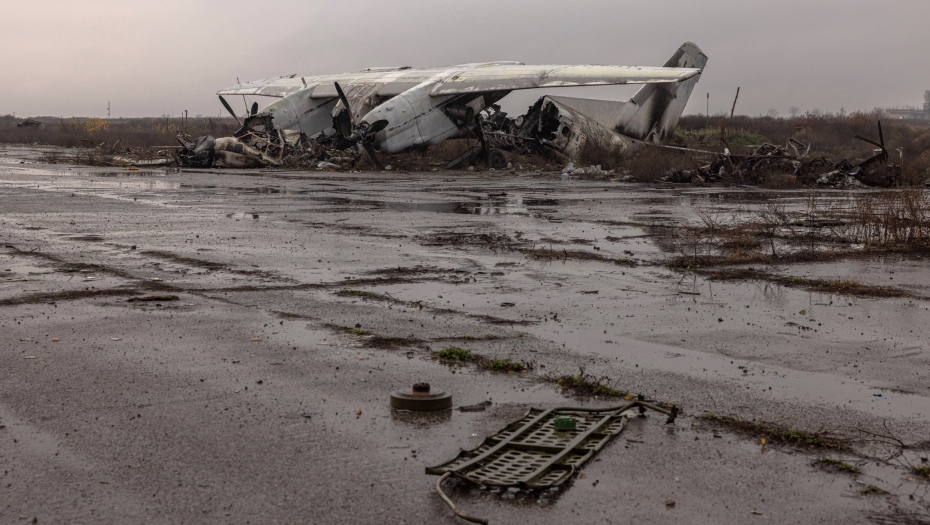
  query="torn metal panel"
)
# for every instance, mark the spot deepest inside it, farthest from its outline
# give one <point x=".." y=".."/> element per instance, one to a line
<point x="196" y="153"/>
<point x="233" y="153"/>
<point x="567" y="131"/>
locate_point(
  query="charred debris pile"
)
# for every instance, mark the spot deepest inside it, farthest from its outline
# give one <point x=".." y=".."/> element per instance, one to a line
<point x="794" y="160"/>
<point x="825" y="150"/>
<point x="499" y="142"/>
<point x="495" y="141"/>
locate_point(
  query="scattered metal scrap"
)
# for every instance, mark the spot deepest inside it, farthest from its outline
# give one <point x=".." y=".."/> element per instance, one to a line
<point x="31" y="123"/>
<point x="535" y="452"/>
<point x="196" y="153"/>
<point x="792" y="159"/>
<point x="874" y="171"/>
<point x="258" y="143"/>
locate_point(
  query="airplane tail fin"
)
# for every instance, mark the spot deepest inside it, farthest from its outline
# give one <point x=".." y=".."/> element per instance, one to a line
<point x="652" y="114"/>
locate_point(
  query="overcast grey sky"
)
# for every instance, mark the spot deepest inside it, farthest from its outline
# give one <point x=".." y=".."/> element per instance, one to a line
<point x="70" y="57"/>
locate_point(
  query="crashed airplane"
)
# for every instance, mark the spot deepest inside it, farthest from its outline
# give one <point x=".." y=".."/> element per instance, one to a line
<point x="394" y="109"/>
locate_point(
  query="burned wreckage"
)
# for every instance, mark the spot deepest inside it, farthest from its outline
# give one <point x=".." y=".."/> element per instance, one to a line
<point x="767" y="159"/>
<point x="334" y="119"/>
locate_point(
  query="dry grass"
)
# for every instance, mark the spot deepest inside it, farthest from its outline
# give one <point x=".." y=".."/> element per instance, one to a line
<point x="651" y="164"/>
<point x="129" y="132"/>
<point x="812" y="285"/>
<point x="548" y="254"/>
<point x="587" y="385"/>
<point x="835" y="464"/>
<point x="829" y="134"/>
<point x="815" y="227"/>
<point x="776" y="434"/>
<point x="454" y="353"/>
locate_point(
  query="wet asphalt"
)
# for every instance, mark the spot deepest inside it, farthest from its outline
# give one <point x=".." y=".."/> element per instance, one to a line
<point x="249" y="398"/>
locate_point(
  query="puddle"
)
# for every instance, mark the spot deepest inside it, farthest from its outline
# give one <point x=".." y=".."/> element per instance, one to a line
<point x="128" y="174"/>
<point x="891" y="271"/>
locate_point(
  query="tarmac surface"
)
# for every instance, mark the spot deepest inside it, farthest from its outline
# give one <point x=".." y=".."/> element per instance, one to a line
<point x="261" y="394"/>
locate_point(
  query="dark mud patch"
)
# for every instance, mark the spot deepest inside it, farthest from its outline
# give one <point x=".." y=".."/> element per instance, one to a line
<point x="379" y="341"/>
<point x="472" y="338"/>
<point x="214" y="266"/>
<point x="490" y="319"/>
<point x="897" y="514"/>
<point x="380" y="281"/>
<point x="197" y="263"/>
<point x="259" y="288"/>
<point x="408" y="271"/>
<point x="836" y="465"/>
<point x="154" y="298"/>
<point x="372" y="296"/>
<point x="371" y="340"/>
<point x="65" y="296"/>
<point x="286" y="316"/>
<point x="491" y="240"/>
<point x="812" y="285"/>
<point x="67" y="266"/>
<point x="776" y="434"/>
<point x="86" y="238"/>
<point x="385" y="298"/>
<point x="548" y="254"/>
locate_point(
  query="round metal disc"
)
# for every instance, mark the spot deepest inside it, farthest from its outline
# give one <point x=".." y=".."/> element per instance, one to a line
<point x="421" y="401"/>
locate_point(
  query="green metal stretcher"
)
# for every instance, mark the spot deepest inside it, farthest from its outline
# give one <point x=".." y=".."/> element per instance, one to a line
<point x="531" y="453"/>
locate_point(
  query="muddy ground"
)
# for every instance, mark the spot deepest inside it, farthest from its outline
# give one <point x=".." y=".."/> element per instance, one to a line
<point x="260" y="395"/>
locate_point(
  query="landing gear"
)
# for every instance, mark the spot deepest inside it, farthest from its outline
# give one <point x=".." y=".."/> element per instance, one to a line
<point x="497" y="159"/>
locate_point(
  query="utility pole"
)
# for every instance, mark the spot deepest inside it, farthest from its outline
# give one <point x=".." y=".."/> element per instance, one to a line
<point x="708" y="111"/>
<point x="108" y="110"/>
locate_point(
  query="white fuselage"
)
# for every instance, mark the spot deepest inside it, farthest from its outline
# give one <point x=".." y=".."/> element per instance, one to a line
<point x="415" y="118"/>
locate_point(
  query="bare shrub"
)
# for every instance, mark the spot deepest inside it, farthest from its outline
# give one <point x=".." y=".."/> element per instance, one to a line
<point x="891" y="218"/>
<point x="816" y="228"/>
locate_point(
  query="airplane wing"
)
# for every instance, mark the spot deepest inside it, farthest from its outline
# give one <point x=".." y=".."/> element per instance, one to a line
<point x="270" y="87"/>
<point x="483" y="78"/>
<point x="512" y="77"/>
